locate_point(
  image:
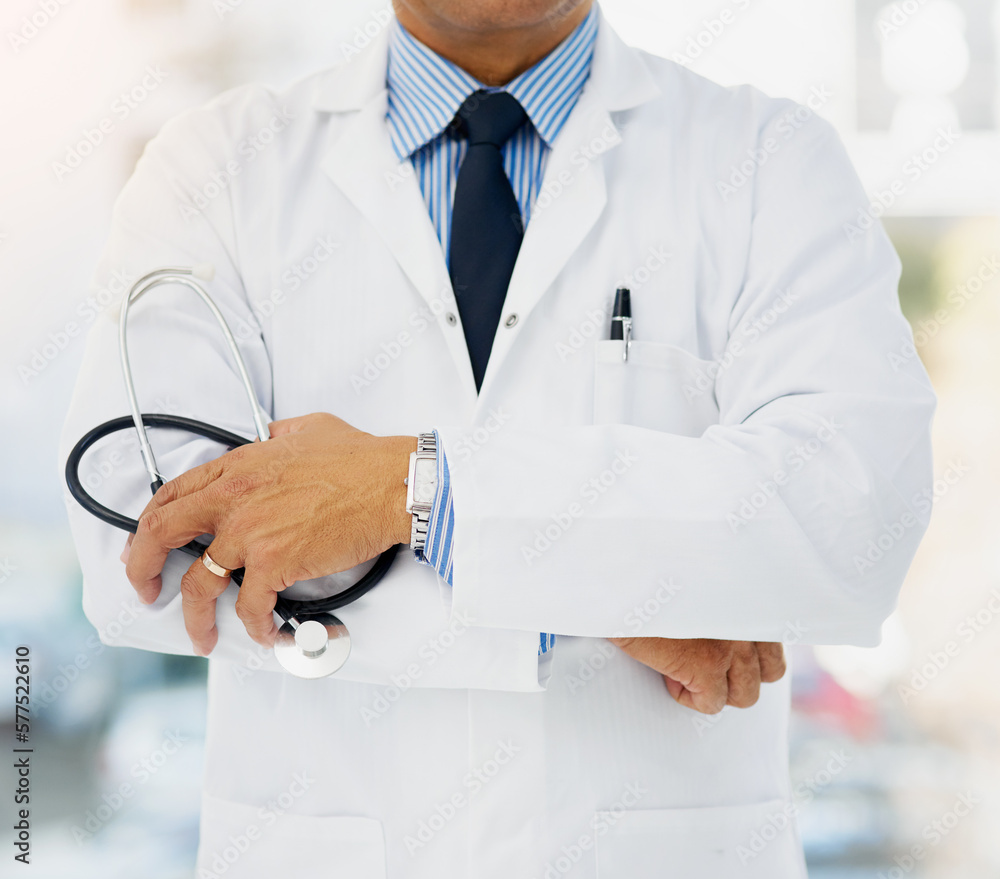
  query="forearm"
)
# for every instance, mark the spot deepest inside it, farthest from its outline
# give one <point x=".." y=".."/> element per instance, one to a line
<point x="683" y="537"/>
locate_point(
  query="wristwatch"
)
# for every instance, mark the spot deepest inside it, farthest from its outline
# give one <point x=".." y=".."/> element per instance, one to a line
<point x="421" y="486"/>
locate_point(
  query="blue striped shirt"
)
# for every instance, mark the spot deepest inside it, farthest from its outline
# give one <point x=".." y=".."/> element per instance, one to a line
<point x="425" y="93"/>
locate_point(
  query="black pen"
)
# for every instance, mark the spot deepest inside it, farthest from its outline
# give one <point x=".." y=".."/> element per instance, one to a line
<point x="621" y="320"/>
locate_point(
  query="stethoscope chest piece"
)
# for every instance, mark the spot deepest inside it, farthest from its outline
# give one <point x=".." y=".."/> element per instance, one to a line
<point x="315" y="648"/>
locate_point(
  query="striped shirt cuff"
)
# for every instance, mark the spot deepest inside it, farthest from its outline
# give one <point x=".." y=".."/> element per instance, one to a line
<point x="441" y="534"/>
<point x="441" y="528"/>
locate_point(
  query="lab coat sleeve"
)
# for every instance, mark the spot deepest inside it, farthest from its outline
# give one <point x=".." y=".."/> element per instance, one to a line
<point x="441" y="538"/>
<point x="794" y="518"/>
<point x="175" y="210"/>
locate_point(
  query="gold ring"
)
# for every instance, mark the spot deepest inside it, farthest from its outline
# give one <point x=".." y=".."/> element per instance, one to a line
<point x="213" y="566"/>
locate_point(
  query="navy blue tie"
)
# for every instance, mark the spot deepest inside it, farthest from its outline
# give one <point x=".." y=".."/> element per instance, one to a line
<point x="486" y="228"/>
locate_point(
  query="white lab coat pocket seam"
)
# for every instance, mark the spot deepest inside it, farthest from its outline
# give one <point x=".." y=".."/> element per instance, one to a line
<point x="755" y="841"/>
<point x="660" y="387"/>
<point x="239" y="841"/>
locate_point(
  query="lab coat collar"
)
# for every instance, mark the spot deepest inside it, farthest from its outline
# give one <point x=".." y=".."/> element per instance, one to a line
<point x="617" y="72"/>
<point x="364" y="166"/>
<point x="357" y="79"/>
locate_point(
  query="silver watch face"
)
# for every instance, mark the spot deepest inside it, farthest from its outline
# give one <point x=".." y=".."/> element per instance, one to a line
<point x="425" y="481"/>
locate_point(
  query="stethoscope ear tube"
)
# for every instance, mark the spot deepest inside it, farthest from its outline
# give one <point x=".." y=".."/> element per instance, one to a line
<point x="286" y="608"/>
<point x="312" y="642"/>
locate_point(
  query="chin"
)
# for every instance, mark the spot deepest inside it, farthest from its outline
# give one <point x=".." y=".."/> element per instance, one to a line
<point x="491" y="15"/>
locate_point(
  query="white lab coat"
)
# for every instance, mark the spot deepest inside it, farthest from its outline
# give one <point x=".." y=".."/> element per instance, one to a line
<point x="753" y="472"/>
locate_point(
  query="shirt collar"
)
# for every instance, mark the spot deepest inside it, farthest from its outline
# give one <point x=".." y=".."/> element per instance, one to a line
<point x="426" y="90"/>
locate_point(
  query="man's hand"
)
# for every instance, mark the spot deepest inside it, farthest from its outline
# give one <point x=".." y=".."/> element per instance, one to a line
<point x="318" y="498"/>
<point x="707" y="675"/>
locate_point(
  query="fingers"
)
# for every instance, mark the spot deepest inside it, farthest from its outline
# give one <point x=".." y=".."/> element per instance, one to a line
<point x="713" y="689"/>
<point x="161" y="530"/>
<point x="694" y="670"/>
<point x="286" y="426"/>
<point x="192" y="481"/>
<point x="744" y="676"/>
<point x="708" y="701"/>
<point x="674" y="687"/>
<point x="255" y="606"/>
<point x="656" y="653"/>
<point x="679" y="692"/>
<point x="711" y="699"/>
<point x="302" y="422"/>
<point x="200" y="591"/>
<point x="707" y="689"/>
<point x="710" y="674"/>
<point x="772" y="661"/>
<point x="156" y="532"/>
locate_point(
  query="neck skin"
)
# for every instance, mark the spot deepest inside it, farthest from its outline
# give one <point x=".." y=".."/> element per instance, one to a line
<point x="494" y="56"/>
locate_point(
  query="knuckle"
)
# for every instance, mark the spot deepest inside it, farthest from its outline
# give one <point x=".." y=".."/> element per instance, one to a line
<point x="772" y="661"/>
<point x="150" y="524"/>
<point x="237" y="521"/>
<point x="263" y="555"/>
<point x="166" y="493"/>
<point x="271" y="562"/>
<point x="234" y="456"/>
<point x="194" y="589"/>
<point x="253" y="621"/>
<point x="777" y="671"/>
<point x="745" y="699"/>
<point x="721" y="654"/>
<point x="237" y="485"/>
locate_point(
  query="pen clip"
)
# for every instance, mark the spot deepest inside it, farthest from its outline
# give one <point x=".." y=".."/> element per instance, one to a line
<point x="626" y="337"/>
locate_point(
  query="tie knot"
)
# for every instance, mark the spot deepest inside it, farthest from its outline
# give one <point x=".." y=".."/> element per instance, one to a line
<point x="490" y="117"/>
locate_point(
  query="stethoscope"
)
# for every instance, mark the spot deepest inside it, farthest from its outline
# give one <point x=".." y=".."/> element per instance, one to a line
<point x="312" y="642"/>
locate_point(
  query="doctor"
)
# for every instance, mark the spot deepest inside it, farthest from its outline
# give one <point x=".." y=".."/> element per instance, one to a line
<point x="424" y="241"/>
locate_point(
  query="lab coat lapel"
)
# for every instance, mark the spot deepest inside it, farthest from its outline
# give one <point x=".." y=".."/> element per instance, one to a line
<point x="573" y="193"/>
<point x="363" y="165"/>
<point x="559" y="222"/>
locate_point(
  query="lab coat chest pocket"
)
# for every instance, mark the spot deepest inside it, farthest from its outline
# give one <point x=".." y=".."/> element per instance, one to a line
<point x="756" y="841"/>
<point x="660" y="387"/>
<point x="244" y="842"/>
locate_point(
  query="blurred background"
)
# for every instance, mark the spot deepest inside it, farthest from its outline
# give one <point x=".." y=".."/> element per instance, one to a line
<point x="886" y="742"/>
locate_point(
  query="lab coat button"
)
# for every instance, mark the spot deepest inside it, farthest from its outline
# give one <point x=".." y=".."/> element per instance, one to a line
<point x="450" y="317"/>
<point x="511" y="320"/>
